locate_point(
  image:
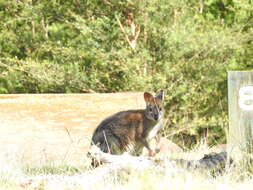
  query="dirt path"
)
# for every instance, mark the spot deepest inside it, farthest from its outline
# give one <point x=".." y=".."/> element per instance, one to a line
<point x="56" y="126"/>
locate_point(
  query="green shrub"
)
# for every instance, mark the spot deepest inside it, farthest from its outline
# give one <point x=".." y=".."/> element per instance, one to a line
<point x="184" y="47"/>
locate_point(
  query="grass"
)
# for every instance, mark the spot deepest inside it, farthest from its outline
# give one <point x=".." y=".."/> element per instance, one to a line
<point x="54" y="168"/>
<point x="79" y="176"/>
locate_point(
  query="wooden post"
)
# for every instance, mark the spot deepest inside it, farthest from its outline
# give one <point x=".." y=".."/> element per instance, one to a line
<point x="240" y="100"/>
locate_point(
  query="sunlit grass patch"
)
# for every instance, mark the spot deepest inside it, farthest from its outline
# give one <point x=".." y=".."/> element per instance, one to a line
<point x="80" y="176"/>
<point x="10" y="174"/>
<point x="54" y="168"/>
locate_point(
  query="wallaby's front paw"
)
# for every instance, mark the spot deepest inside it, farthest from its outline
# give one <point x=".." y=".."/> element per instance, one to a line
<point x="151" y="153"/>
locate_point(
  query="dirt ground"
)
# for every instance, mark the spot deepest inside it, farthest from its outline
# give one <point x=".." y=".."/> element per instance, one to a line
<point x="56" y="127"/>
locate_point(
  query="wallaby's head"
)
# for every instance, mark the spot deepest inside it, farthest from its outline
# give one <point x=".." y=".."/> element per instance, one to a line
<point x="154" y="105"/>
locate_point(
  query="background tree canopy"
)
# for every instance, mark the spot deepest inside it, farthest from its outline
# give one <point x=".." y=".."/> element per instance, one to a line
<point x="183" y="46"/>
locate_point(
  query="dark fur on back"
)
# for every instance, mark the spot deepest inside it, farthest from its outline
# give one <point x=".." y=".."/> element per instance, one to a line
<point x="120" y="132"/>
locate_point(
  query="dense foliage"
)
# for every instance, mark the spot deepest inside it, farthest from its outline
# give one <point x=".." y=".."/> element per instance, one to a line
<point x="183" y="46"/>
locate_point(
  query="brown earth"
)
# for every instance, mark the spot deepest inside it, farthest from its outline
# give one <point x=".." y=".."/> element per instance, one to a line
<point x="56" y="127"/>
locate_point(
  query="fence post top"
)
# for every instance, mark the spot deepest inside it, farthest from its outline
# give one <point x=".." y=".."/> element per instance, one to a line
<point x="240" y="71"/>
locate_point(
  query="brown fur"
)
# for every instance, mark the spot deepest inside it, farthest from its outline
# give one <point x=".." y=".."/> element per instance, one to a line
<point x="128" y="131"/>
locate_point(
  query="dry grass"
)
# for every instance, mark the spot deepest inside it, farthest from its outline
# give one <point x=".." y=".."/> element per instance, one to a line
<point x="48" y="176"/>
<point x="26" y="129"/>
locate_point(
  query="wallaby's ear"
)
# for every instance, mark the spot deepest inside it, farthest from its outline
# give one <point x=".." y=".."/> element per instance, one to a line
<point x="148" y="97"/>
<point x="160" y="95"/>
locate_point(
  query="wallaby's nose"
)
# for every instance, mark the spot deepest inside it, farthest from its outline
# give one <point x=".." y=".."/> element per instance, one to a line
<point x="156" y="116"/>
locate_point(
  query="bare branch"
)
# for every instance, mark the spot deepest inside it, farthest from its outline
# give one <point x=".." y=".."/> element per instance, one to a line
<point x="69" y="135"/>
<point x="209" y="161"/>
<point x="124" y="32"/>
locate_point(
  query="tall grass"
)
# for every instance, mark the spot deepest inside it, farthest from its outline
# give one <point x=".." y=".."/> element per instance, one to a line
<point x="48" y="176"/>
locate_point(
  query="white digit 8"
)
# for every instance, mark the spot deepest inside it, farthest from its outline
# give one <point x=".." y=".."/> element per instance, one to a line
<point x="246" y="98"/>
